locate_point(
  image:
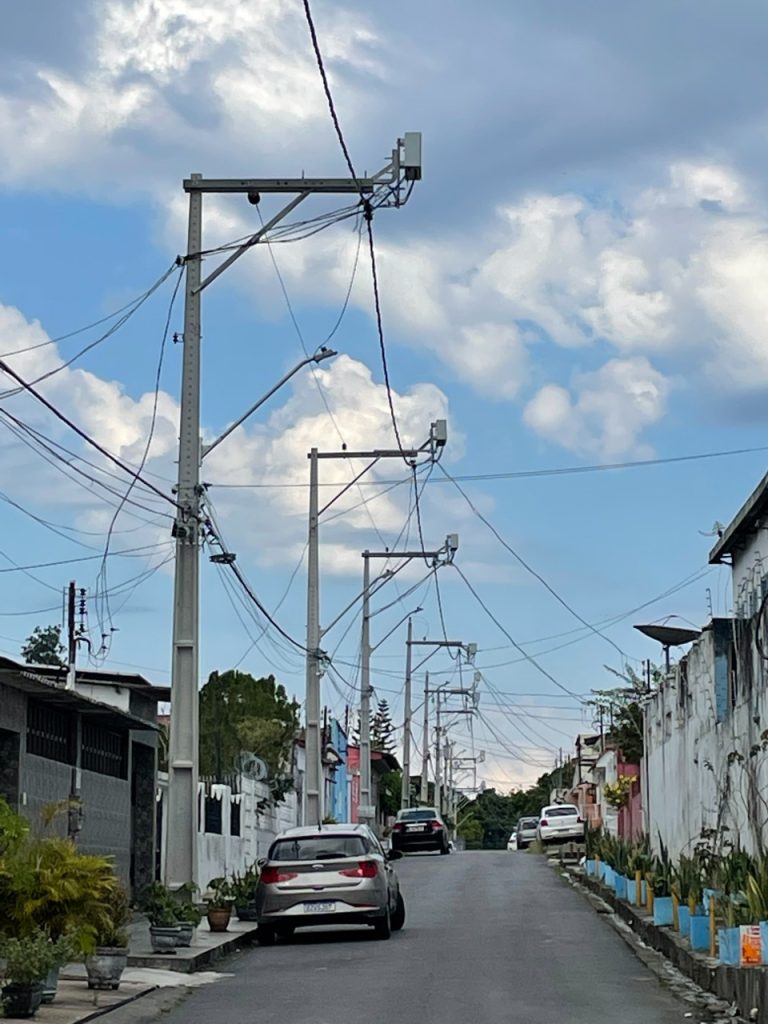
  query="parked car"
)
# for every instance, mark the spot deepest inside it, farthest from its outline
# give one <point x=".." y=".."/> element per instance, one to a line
<point x="328" y="875"/>
<point x="560" y="823"/>
<point x="527" y="829"/>
<point x="419" y="828"/>
<point x="512" y="842"/>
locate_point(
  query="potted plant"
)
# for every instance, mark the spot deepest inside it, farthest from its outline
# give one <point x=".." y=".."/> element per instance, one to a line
<point x="28" y="960"/>
<point x="160" y="908"/>
<point x="640" y="861"/>
<point x="244" y="893"/>
<point x="663" y="876"/>
<point x="188" y="915"/>
<point x="105" y="965"/>
<point x="219" y="899"/>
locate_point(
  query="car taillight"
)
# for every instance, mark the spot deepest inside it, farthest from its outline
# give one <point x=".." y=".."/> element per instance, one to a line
<point x="398" y="827"/>
<point x="270" y="876"/>
<point x="544" y="823"/>
<point x="437" y="824"/>
<point x="364" y="869"/>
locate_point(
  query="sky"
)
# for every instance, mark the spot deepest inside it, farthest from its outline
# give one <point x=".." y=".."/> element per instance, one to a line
<point x="577" y="281"/>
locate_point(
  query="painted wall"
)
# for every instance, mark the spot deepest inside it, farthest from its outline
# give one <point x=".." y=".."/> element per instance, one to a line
<point x="337" y="786"/>
<point x="750" y="570"/>
<point x="703" y="740"/>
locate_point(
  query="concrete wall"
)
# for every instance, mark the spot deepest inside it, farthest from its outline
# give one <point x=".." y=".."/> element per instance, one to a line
<point x="226" y="854"/>
<point x="705" y="762"/>
<point x="750" y="568"/>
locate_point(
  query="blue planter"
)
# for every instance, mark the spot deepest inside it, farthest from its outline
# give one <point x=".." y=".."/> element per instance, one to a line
<point x="729" y="946"/>
<point x="684" y="920"/>
<point x="698" y="932"/>
<point x="764" y="940"/>
<point x="662" y="910"/>
<point x="620" y="887"/>
<point x="589" y="866"/>
<point x="632" y="892"/>
<point x="609" y="876"/>
<point x="603" y="869"/>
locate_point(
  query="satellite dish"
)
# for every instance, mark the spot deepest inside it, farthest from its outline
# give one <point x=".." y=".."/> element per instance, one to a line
<point x="253" y="767"/>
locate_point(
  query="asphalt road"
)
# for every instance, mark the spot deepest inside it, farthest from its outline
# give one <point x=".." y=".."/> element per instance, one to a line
<point x="491" y="938"/>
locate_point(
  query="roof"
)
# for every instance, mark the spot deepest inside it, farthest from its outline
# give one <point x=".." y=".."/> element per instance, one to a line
<point x="745" y="522"/>
<point x="93" y="677"/>
<point x="28" y="681"/>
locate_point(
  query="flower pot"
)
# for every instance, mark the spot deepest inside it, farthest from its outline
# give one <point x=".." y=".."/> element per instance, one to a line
<point x="728" y="949"/>
<point x="163" y="939"/>
<point x="186" y="933"/>
<point x="709" y="894"/>
<point x="620" y="886"/>
<point x="750" y="945"/>
<point x="698" y="932"/>
<point x="589" y="866"/>
<point x="609" y="876"/>
<point x="50" y="984"/>
<point x="218" y="918"/>
<point x="247" y="912"/>
<point x="683" y="920"/>
<point x="22" y="1000"/>
<point x="105" y="967"/>
<point x="662" y="910"/>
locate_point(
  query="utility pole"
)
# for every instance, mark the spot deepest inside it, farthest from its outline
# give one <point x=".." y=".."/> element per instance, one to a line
<point x="424" y="795"/>
<point x="365" y="697"/>
<point x="71" y="637"/>
<point x="442" y="556"/>
<point x="312" y="810"/>
<point x="405" y="795"/>
<point x="181" y="819"/>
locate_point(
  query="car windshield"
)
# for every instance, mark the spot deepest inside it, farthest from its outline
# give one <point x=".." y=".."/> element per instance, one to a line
<point x="311" y="848"/>
<point x="560" y="812"/>
<point x="418" y="814"/>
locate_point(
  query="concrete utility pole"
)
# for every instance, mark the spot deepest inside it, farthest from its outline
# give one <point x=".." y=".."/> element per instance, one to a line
<point x="405" y="792"/>
<point x="443" y="556"/>
<point x="424" y="795"/>
<point x="312" y="809"/>
<point x="181" y="820"/>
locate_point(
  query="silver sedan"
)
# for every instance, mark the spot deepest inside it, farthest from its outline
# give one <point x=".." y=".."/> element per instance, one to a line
<point x="328" y="875"/>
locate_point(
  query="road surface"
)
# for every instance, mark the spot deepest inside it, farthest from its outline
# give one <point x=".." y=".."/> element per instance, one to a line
<point x="491" y="938"/>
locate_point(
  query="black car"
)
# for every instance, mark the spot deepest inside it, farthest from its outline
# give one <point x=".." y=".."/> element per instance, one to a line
<point x="419" y="828"/>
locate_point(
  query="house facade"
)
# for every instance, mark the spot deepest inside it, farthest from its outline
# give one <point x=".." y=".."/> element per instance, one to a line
<point x="92" y="751"/>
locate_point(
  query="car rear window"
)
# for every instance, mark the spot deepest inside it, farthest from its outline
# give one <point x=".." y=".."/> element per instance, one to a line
<point x="327" y="847"/>
<point x="528" y="823"/>
<point x="418" y="814"/>
<point x="560" y="812"/>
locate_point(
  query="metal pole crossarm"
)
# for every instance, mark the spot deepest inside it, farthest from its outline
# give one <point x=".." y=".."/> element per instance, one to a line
<point x="318" y="357"/>
<point x="437" y="643"/>
<point x="378" y="453"/>
<point x="246" y="185"/>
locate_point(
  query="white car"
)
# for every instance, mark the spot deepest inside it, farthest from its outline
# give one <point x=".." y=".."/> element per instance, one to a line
<point x="560" y="823"/>
<point x="512" y="844"/>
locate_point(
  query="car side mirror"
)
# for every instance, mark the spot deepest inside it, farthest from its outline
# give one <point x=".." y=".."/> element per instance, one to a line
<point x="394" y="855"/>
<point x="261" y="862"/>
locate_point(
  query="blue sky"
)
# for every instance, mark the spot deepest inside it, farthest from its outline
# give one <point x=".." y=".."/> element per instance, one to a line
<point x="578" y="280"/>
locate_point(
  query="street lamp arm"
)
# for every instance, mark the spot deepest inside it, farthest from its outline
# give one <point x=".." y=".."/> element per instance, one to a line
<point x="318" y="357"/>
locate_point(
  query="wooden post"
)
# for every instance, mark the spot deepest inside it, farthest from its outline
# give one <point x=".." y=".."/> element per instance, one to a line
<point x="712" y="929"/>
<point x="638" y="888"/>
<point x="649" y="898"/>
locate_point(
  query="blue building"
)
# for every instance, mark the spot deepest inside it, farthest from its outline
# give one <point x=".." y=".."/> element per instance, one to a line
<point x="336" y="771"/>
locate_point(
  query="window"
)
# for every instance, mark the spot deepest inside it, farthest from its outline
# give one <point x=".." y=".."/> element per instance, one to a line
<point x="418" y="814"/>
<point x="234" y="819"/>
<point x="104" y="752"/>
<point x="312" y="848"/>
<point x="213" y="815"/>
<point x="561" y="811"/>
<point x="50" y="733"/>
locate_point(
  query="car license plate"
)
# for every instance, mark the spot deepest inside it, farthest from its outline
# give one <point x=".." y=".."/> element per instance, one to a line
<point x="322" y="907"/>
<point x="415" y="828"/>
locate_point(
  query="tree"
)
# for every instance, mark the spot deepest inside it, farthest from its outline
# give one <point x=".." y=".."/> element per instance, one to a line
<point x="240" y="713"/>
<point x="382" y="729"/>
<point x="390" y="787"/>
<point x="44" y="647"/>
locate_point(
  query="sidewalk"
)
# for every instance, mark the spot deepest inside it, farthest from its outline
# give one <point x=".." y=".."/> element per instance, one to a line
<point x="75" y="1003"/>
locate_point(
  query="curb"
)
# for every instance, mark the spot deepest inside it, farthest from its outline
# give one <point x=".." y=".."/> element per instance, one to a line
<point x="115" y="1006"/>
<point x="202" y="958"/>
<point x="666" y="972"/>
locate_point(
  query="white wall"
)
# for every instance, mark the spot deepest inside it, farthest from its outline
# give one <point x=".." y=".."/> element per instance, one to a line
<point x="226" y="854"/>
<point x="700" y="737"/>
<point x="750" y="567"/>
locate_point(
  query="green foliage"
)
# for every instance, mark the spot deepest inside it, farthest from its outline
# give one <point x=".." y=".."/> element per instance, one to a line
<point x="471" y="831"/>
<point x="240" y="713"/>
<point x="382" y="729"/>
<point x="160" y="906"/>
<point x="44" y="647"/>
<point x="390" y="791"/>
<point x="244" y="886"/>
<point x="497" y="815"/>
<point x="13" y="829"/>
<point x="113" y="931"/>
<point x="220" y="894"/>
<point x="686" y="882"/>
<point x="29" y="959"/>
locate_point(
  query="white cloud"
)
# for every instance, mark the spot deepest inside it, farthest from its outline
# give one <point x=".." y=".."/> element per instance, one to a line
<point x="607" y="412"/>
